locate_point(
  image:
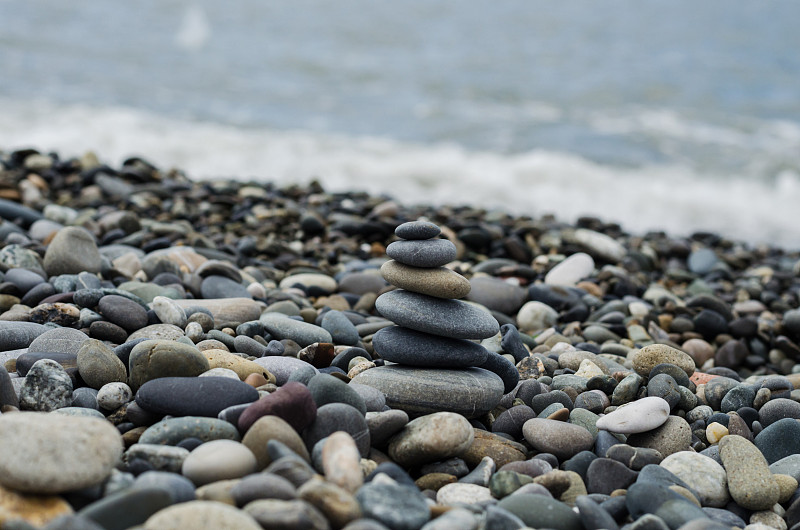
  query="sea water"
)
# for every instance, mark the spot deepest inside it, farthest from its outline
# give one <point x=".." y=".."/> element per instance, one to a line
<point x="677" y="115"/>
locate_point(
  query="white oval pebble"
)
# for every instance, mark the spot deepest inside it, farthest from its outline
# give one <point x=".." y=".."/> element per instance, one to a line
<point x="642" y="415"/>
<point x="571" y="270"/>
<point x="112" y="396"/>
<point x="458" y="493"/>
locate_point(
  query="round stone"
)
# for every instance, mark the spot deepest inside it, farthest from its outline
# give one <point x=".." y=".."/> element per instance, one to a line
<point x="218" y="460"/>
<point x="52" y="453"/>
<point x="462" y="493"/>
<point x="648" y="357"/>
<point x="496" y="294"/>
<point x="423" y="253"/>
<point x="750" y="481"/>
<point x="218" y="358"/>
<point x="268" y="428"/>
<point x="535" y="316"/>
<point x="201" y="515"/>
<point x="166" y="332"/>
<point x="430" y="438"/>
<point x="471" y="392"/>
<point x="152" y="359"/>
<point x="571" y="270"/>
<point x="193" y="396"/>
<point x="123" y="312"/>
<point x="438" y="281"/>
<point x="638" y="416"/>
<point x="415" y="348"/>
<point x="112" y="396"/>
<point x="562" y="439"/>
<point x="448" y="318"/>
<point x="71" y="251"/>
<point x="46" y="387"/>
<point x="98" y="365"/>
<point x="704" y="474"/>
<point x="341" y="329"/>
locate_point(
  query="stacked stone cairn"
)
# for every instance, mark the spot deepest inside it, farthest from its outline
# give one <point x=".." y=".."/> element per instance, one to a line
<point x="432" y="361"/>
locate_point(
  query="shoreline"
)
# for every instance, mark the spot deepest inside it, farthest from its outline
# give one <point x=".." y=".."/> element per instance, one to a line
<point x="699" y="335"/>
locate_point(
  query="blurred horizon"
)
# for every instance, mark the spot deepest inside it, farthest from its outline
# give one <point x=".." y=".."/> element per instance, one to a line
<point x="675" y="116"/>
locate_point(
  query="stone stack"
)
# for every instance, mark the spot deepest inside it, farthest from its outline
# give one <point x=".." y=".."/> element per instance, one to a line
<point x="432" y="365"/>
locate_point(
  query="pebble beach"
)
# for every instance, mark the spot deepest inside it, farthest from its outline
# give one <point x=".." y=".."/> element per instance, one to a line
<point x="177" y="353"/>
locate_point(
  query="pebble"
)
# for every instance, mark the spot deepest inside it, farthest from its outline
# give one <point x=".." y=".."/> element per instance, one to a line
<point x="642" y="415"/>
<point x="535" y="316"/>
<point x="98" y="365"/>
<point x="571" y="270"/>
<point x="672" y="436"/>
<point x="496" y="294"/>
<point x="439" y="281"/>
<point x="267" y="429"/>
<point x="46" y="387"/>
<point x="201" y="515"/>
<point x="426" y="390"/>
<point x="282" y="327"/>
<point x="448" y="318"/>
<point x="293" y="402"/>
<point x="707" y="478"/>
<point x="559" y="438"/>
<point x="538" y="511"/>
<point x="648" y="357"/>
<point x="153" y="359"/>
<point x="218" y="460"/>
<point x="749" y="479"/>
<point x="71" y="251"/>
<point x="415" y="348"/>
<point x="291" y="515"/>
<point x="193" y="396"/>
<point x="430" y="438"/>
<point x="396" y="506"/>
<point x="44" y="454"/>
<point x="340" y="461"/>
<point x="112" y="396"/>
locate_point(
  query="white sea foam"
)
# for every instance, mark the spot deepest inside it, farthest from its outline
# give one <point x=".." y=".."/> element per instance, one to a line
<point x="676" y="199"/>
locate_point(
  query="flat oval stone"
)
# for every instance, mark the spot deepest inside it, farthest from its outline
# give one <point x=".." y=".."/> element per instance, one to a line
<point x="168" y="312"/>
<point x="341" y="462"/>
<point x="638" y="416"/>
<point x="431" y="438"/>
<point x="157" y="332"/>
<point x="415" y="348"/>
<point x="325" y="388"/>
<point x="123" y="312"/>
<point x="218" y="460"/>
<point x="462" y="493"/>
<point x="193" y="396"/>
<point x="170" y="431"/>
<point x="417" y="230"/>
<point x="152" y="359"/>
<point x="70" y="452"/>
<point x="71" y="251"/>
<point x="62" y="340"/>
<point x="538" y="511"/>
<point x="571" y="270"/>
<point x="423" y="253"/>
<point x="215" y="286"/>
<point x="281" y="327"/>
<point x="201" y="515"/>
<point x="648" y="357"/>
<point x="18" y="335"/>
<point x="292" y="402"/>
<point x="779" y="439"/>
<point x="29" y="358"/>
<point x="437" y="281"/>
<point x="497" y="294"/>
<point x="705" y="475"/>
<point x="447" y="318"/>
<point x="471" y="392"/>
<point x="562" y="439"/>
<point x="750" y="481"/>
<point x="218" y="358"/>
<point x="284" y="367"/>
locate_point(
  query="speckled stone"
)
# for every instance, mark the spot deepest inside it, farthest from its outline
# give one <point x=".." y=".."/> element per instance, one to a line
<point x="46" y="387"/>
<point x="703" y="473"/>
<point x="70" y="452"/>
<point x="170" y="431"/>
<point x="649" y="356"/>
<point x="749" y="479"/>
<point x="152" y="359"/>
<point x="281" y="326"/>
<point x="98" y="365"/>
<point x="471" y="392"/>
<point x="397" y="506"/>
<point x="448" y="318"/>
<point x="438" y="281"/>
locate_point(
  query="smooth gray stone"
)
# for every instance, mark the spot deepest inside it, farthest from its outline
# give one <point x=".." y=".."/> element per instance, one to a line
<point x="471" y="392"/>
<point x="415" y="348"/>
<point x="223" y="287"/>
<point x="172" y="430"/>
<point x="338" y="417"/>
<point x="127" y="508"/>
<point x="8" y="396"/>
<point x="18" y="335"/>
<point x="417" y="230"/>
<point x="788" y="465"/>
<point x="72" y="522"/>
<point x="63" y="340"/>
<point x="326" y="388"/>
<point x="13" y="210"/>
<point x="282" y="327"/>
<point x="422" y="253"/>
<point x="284" y="367"/>
<point x="179" y="487"/>
<point x="447" y="318"/>
<point x="538" y="511"/>
<point x="395" y="505"/>
<point x="24" y="279"/>
<point x="341" y="329"/>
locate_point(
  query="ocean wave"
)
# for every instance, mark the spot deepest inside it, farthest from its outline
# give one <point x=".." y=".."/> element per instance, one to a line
<point x="674" y="198"/>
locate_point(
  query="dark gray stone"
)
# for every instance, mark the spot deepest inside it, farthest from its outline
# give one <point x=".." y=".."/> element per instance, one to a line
<point x="448" y="318"/>
<point x="123" y="312"/>
<point x="193" y="396"/>
<point x="397" y="506"/>
<point x="538" y="511"/>
<point x="127" y="508"/>
<point x="215" y="286"/>
<point x="179" y="487"/>
<point x="422" y="253"/>
<point x="417" y="230"/>
<point x="779" y="440"/>
<point x="338" y="417"/>
<point x="341" y="329"/>
<point x="281" y="327"/>
<point x="415" y="348"/>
